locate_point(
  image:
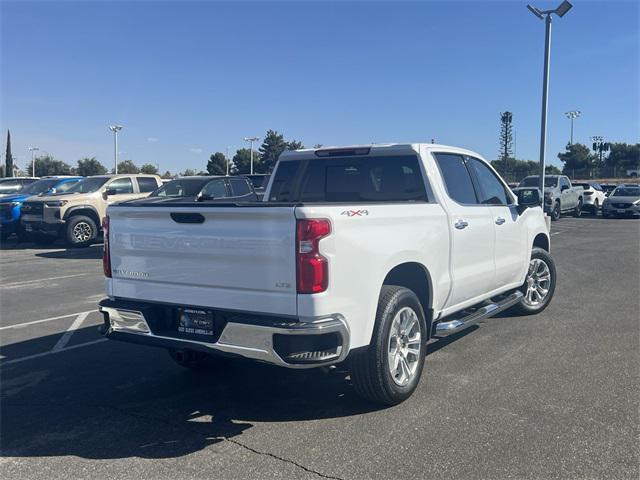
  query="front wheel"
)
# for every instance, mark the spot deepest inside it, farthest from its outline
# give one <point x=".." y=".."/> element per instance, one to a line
<point x="555" y="213"/>
<point x="81" y="231"/>
<point x="389" y="370"/>
<point x="539" y="285"/>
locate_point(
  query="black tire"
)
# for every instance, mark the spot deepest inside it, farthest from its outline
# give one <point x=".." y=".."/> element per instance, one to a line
<point x="370" y="371"/>
<point x="193" y="360"/>
<point x="4" y="236"/>
<point x="578" y="210"/>
<point x="605" y="214"/>
<point x="80" y="231"/>
<point x="555" y="213"/>
<point x="41" y="238"/>
<point x="523" y="308"/>
<point x="22" y="235"/>
<point x="596" y="206"/>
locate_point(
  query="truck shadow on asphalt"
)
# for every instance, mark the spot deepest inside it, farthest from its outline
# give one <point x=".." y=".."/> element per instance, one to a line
<point x="115" y="400"/>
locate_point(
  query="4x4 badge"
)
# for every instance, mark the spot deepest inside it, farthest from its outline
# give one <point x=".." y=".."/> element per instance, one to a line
<point x="355" y="213"/>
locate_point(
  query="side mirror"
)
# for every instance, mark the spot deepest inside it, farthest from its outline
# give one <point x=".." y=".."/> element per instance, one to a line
<point x="564" y="187"/>
<point x="528" y="198"/>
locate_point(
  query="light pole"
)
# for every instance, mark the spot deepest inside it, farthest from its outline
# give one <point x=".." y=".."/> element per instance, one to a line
<point x="546" y="16"/>
<point x="571" y="115"/>
<point x="33" y="160"/>
<point x="251" y="139"/>
<point x="115" y="129"/>
<point x="230" y="146"/>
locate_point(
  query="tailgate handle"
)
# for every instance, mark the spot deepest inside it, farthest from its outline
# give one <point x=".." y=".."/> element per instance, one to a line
<point x="186" y="217"/>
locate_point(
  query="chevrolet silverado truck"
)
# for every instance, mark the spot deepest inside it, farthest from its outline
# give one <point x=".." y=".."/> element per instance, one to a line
<point x="356" y="255"/>
<point x="76" y="214"/>
<point x="559" y="195"/>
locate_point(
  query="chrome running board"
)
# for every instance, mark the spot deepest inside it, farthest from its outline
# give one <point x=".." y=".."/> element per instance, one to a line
<point x="449" y="327"/>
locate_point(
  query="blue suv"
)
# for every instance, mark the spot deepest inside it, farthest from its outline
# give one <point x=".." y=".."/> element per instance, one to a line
<point x="11" y="205"/>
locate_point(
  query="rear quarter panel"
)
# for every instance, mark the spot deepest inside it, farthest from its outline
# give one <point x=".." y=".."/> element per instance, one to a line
<point x="366" y="243"/>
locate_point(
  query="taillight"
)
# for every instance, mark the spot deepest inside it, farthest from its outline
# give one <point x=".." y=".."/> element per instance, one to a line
<point x="312" y="268"/>
<point x="106" y="255"/>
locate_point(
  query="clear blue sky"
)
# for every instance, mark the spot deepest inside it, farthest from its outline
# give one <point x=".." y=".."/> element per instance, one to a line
<point x="187" y="79"/>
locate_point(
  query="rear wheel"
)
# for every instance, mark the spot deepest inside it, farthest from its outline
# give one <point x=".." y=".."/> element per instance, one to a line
<point x="596" y="206"/>
<point x="389" y="370"/>
<point x="539" y="285"/>
<point x="555" y="213"/>
<point x="578" y="210"/>
<point x="81" y="231"/>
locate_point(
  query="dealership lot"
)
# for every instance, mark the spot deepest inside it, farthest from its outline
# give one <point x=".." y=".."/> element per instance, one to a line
<point x="551" y="396"/>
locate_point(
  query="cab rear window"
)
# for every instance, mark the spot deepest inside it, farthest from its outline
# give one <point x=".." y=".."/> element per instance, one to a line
<point x="349" y="179"/>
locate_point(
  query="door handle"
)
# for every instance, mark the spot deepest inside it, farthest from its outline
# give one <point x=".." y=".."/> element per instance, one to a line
<point x="461" y="224"/>
<point x="500" y="221"/>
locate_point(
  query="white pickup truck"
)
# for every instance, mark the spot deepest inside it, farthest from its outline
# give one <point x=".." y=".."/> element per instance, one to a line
<point x="357" y="255"/>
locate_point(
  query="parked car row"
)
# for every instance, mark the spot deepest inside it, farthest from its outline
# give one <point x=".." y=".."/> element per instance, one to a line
<point x="72" y="208"/>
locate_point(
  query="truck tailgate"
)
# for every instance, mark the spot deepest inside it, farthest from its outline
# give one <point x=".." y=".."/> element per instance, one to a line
<point x="232" y="257"/>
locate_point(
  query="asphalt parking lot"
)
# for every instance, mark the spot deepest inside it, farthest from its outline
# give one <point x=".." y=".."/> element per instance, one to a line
<point x="551" y="396"/>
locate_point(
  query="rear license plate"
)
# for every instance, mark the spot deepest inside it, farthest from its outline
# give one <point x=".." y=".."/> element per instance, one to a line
<point x="194" y="321"/>
<point x="621" y="211"/>
<point x="28" y="227"/>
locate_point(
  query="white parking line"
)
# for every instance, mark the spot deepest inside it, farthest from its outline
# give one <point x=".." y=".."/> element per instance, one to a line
<point x="44" y="281"/>
<point x="51" y="319"/>
<point x="44" y="354"/>
<point x="67" y="335"/>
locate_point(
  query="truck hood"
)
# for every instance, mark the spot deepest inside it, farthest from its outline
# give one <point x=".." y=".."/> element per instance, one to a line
<point x="15" y="197"/>
<point x="622" y="199"/>
<point x="56" y="196"/>
<point x="546" y="190"/>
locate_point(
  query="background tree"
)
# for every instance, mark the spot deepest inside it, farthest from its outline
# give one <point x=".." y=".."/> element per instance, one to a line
<point x="47" y="165"/>
<point x="217" y="164"/>
<point x="90" y="166"/>
<point x="623" y="155"/>
<point x="317" y="145"/>
<point x="271" y="148"/>
<point x="552" y="170"/>
<point x="149" y="169"/>
<point x="506" y="140"/>
<point x="127" y="166"/>
<point x="8" y="166"/>
<point x="576" y="157"/>
<point x="242" y="161"/>
<point x="167" y="174"/>
<point x="294" y="145"/>
<point x="188" y="173"/>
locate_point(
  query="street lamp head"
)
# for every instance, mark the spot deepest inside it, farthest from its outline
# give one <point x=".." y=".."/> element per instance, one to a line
<point x="115" y="128"/>
<point x="251" y="139"/>
<point x="563" y="8"/>
<point x="33" y="149"/>
<point x="535" y="11"/>
<point x="573" y="114"/>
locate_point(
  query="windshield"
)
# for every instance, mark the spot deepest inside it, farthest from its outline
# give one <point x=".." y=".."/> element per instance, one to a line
<point x="181" y="187"/>
<point x="626" y="192"/>
<point x="41" y="186"/>
<point x="88" y="185"/>
<point x="549" y="182"/>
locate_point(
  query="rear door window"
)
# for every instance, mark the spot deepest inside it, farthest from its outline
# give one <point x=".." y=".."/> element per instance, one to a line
<point x="147" y="184"/>
<point x="456" y="177"/>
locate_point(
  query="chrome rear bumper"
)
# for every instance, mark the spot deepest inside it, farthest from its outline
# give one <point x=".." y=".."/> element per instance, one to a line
<point x="251" y="341"/>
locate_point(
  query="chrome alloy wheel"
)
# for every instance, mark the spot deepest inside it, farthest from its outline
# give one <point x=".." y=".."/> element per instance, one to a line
<point x="405" y="346"/>
<point x="537" y="283"/>
<point x="82" y="231"/>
